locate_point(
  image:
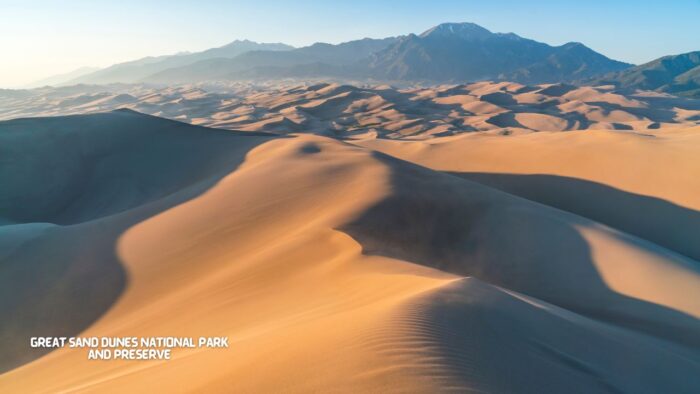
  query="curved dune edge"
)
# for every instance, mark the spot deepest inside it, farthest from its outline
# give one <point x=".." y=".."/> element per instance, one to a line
<point x="472" y="336"/>
<point x="642" y="184"/>
<point x="74" y="185"/>
<point x="258" y="257"/>
<point x="280" y="285"/>
<point x="658" y="163"/>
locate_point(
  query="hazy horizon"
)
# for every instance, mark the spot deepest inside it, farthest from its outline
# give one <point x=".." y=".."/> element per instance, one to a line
<point x="44" y="39"/>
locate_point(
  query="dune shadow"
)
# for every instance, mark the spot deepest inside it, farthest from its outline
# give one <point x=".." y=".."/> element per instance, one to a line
<point x="60" y="279"/>
<point x="460" y="227"/>
<point x="656" y="220"/>
<point x="506" y="119"/>
<point x="656" y="114"/>
<point x="557" y="90"/>
<point x="482" y="333"/>
<point x="499" y="98"/>
<point x="669" y="103"/>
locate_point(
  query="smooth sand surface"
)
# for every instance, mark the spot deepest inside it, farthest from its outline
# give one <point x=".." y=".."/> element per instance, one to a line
<point x="333" y="267"/>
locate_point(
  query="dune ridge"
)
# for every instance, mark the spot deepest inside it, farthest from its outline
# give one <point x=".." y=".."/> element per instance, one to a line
<point x="640" y="184"/>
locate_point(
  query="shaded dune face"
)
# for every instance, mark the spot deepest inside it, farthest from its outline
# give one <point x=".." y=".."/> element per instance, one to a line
<point x="643" y="185"/>
<point x="470" y="230"/>
<point x="71" y="186"/>
<point x="667" y="224"/>
<point x="91" y="167"/>
<point x="332" y="268"/>
<point x="473" y="334"/>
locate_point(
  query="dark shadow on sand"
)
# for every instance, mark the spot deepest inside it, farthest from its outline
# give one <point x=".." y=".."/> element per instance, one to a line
<point x="659" y="221"/>
<point x="62" y="280"/>
<point x="457" y="226"/>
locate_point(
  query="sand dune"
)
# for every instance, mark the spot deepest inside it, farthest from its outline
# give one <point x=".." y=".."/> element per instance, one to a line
<point x="348" y="111"/>
<point x="335" y="268"/>
<point x="643" y="184"/>
<point x="95" y="169"/>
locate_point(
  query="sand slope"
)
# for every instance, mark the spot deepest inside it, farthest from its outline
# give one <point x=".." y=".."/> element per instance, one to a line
<point x="331" y="267"/>
<point x="74" y="184"/>
<point x="644" y="184"/>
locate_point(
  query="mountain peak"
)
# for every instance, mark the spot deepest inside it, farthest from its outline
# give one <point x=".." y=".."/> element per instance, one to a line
<point x="574" y="45"/>
<point x="245" y="43"/>
<point x="463" y="30"/>
<point x="240" y="42"/>
<point x="237" y="41"/>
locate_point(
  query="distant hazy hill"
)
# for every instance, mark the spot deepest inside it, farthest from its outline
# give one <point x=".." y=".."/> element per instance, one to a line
<point x="679" y="75"/>
<point x="60" y="79"/>
<point x="465" y="51"/>
<point x="321" y="57"/>
<point x="137" y="70"/>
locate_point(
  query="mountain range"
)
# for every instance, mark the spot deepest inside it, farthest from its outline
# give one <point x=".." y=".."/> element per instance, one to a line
<point x="447" y="53"/>
<point x="60" y="79"/>
<point x="463" y="52"/>
<point x="141" y="69"/>
<point x="678" y="75"/>
<point x="317" y="60"/>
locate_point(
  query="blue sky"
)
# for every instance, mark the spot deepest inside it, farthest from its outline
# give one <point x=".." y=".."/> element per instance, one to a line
<point x="41" y="37"/>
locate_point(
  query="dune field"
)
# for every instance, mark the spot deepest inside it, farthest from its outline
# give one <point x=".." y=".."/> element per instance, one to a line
<point x="367" y="111"/>
<point x="490" y="237"/>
